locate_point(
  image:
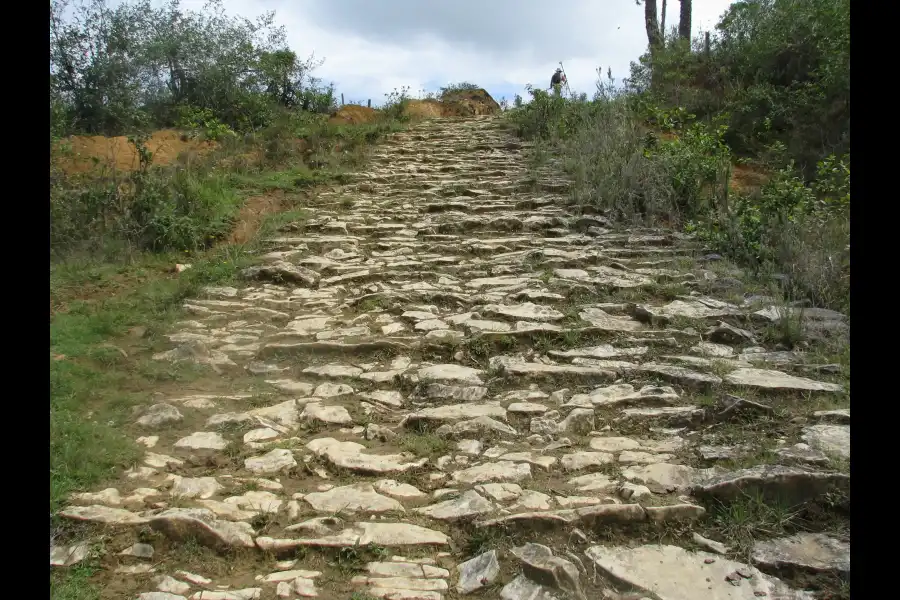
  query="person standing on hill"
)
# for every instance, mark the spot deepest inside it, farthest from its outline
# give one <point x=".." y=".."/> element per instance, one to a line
<point x="557" y="81"/>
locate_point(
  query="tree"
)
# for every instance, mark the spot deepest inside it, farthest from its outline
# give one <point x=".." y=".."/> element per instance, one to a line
<point x="684" y="20"/>
<point x="651" y="24"/>
<point x="656" y="34"/>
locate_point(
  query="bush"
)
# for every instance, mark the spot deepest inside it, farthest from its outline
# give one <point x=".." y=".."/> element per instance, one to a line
<point x="779" y="70"/>
<point x="800" y="230"/>
<point x="113" y="70"/>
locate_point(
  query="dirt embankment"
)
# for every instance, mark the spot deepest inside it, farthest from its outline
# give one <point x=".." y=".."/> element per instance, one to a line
<point x="83" y="153"/>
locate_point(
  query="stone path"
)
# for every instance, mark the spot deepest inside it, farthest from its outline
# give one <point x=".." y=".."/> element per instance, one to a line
<point x="447" y="352"/>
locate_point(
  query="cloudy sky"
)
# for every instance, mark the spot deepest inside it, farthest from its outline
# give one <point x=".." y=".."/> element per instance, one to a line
<point x="371" y="47"/>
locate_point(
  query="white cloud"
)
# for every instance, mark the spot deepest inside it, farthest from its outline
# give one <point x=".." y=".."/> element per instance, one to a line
<point x="371" y="47"/>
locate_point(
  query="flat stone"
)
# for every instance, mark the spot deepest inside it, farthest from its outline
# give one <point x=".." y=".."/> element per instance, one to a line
<point x="399" y="566"/>
<point x="522" y="588"/>
<point x="532" y="500"/>
<point x="332" y="390"/>
<point x="728" y="406"/>
<point x="496" y="471"/>
<point x="172" y="585"/>
<point x="479" y="325"/>
<point x="500" y="492"/>
<point x="138" y="550"/>
<point x="712" y="350"/>
<point x="260" y="434"/>
<point x="810" y="551"/>
<point x="477" y="572"/>
<point x="242" y="594"/>
<point x="289" y="575"/>
<point x="108" y="497"/>
<point x="714" y="546"/>
<point x="585" y="459"/>
<point x="457" y="393"/>
<point x="350" y="455"/>
<point x="477" y="425"/>
<point x="305" y="588"/>
<point x="282" y="271"/>
<point x="395" y="489"/>
<point x="229" y="512"/>
<point x="673" y="573"/>
<point x="274" y="461"/>
<point x="776" y="380"/>
<point x="161" y="461"/>
<point x="577" y="501"/>
<point x="456" y="412"/>
<point x="527" y="311"/>
<point x="681" y="375"/>
<point x="601" y="351"/>
<point x="673" y="416"/>
<point x="840" y="416"/>
<point x="360" y="497"/>
<point x="791" y="484"/>
<point x="666" y="476"/>
<point x="613" y="444"/>
<point x="431" y="325"/>
<point x="594" y="482"/>
<point x="625" y="395"/>
<point x="829" y="439"/>
<point x="135" y="569"/>
<point x="587" y="516"/>
<point x="545" y="462"/>
<point x="363" y="534"/>
<point x="579" y="420"/>
<point x="630" y="456"/>
<point x="386" y="397"/>
<point x="602" y="320"/>
<point x="334" y="370"/>
<point x="202" y="440"/>
<point x="468" y="504"/>
<point x="539" y="564"/>
<point x="537" y="370"/>
<point x="675" y="512"/>
<point x="697" y="308"/>
<point x="194" y="487"/>
<point x="180" y="524"/>
<point x="66" y="556"/>
<point x="526" y="408"/>
<point x="470" y="447"/>
<point x="160" y="414"/>
<point x="336" y="415"/>
<point x="450" y="373"/>
<point x="400" y="583"/>
<point x="801" y="453"/>
<point x="102" y="514"/>
<point x="257" y="501"/>
<point x="723" y="333"/>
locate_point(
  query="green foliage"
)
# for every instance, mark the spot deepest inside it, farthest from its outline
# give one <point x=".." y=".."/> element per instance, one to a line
<point x="452" y="88"/>
<point x="202" y="122"/>
<point x="395" y="103"/>
<point x="160" y="209"/>
<point x="139" y="65"/>
<point x="779" y="69"/>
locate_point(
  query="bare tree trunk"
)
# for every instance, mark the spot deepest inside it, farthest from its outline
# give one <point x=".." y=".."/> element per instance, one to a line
<point x="684" y="20"/>
<point x="662" y="24"/>
<point x="651" y="23"/>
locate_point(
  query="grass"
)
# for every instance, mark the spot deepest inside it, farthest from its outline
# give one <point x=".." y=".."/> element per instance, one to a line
<point x="424" y="444"/>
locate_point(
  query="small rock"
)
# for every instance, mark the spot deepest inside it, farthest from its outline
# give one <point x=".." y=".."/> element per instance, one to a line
<point x="478" y="572"/>
<point x="138" y="551"/>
